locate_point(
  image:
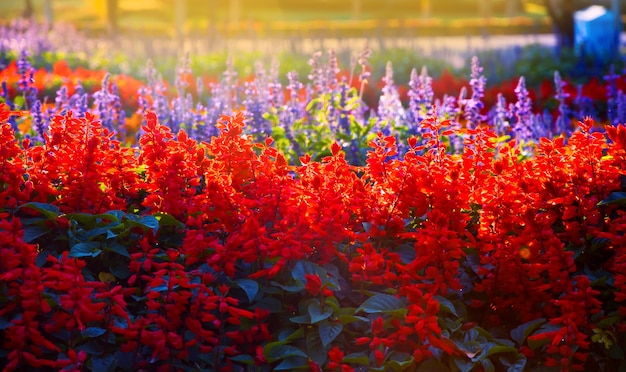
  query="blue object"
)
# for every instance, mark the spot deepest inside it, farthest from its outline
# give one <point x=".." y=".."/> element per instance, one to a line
<point x="596" y="33"/>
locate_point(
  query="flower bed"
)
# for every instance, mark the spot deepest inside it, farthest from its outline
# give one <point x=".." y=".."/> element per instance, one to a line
<point x="222" y="256"/>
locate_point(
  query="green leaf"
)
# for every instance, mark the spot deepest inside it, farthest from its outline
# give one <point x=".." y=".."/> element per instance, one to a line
<point x="150" y="222"/>
<point x="32" y="232"/>
<point x="118" y="248"/>
<point x="249" y="286"/>
<point x="4" y="323"/>
<point x="287" y="335"/>
<point x="317" y="351"/>
<point x="293" y="363"/>
<point x="103" y="364"/>
<point x="380" y="303"/>
<point x="243" y="358"/>
<point x="356" y="358"/>
<point x="316" y="313"/>
<point x="514" y="363"/>
<point x="347" y="319"/>
<point x="168" y="220"/>
<point x="446" y="306"/>
<point x="497" y="349"/>
<point x="432" y="365"/>
<point x="86" y="249"/>
<point x="284" y="351"/>
<point x="120" y="271"/>
<point x="93" y="332"/>
<point x="488" y="365"/>
<point x="521" y="333"/>
<point x="301" y="319"/>
<point x="85" y="219"/>
<point x="289" y="288"/>
<point x="608" y="321"/>
<point x="329" y="331"/>
<point x="302" y="268"/>
<point x="400" y="362"/>
<point x="117" y="214"/>
<point x="463" y="364"/>
<point x="616" y="197"/>
<point x="48" y="210"/>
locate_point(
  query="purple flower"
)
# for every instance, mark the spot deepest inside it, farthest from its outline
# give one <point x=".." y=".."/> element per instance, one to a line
<point x="611" y="95"/>
<point x="522" y="110"/>
<point x="562" y="121"/>
<point x="474" y="105"/>
<point x="390" y="107"/>
<point x="420" y="98"/>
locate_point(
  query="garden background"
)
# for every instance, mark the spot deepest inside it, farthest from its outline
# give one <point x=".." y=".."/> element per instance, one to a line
<point x="326" y="186"/>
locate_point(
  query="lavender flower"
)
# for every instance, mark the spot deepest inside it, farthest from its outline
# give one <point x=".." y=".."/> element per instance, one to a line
<point x="420" y="97"/>
<point x="523" y="127"/>
<point x="584" y="104"/>
<point x="38" y="121"/>
<point x="611" y="95"/>
<point x="561" y="124"/>
<point x="390" y="107"/>
<point x="500" y="120"/>
<point x="62" y="101"/>
<point x="474" y="104"/>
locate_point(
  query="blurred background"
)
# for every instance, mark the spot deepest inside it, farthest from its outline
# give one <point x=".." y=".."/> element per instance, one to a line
<point x="513" y="38"/>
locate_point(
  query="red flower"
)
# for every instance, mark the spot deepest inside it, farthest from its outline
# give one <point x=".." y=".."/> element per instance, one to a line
<point x="313" y="284"/>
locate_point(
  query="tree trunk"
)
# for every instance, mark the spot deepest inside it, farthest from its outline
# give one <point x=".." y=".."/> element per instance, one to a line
<point x="181" y="16"/>
<point x="28" y="11"/>
<point x="112" y="16"/>
<point x="562" y="14"/>
<point x="48" y="13"/>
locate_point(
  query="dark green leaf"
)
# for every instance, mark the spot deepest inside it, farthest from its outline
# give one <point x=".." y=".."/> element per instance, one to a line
<point x="514" y="363"/>
<point x="243" y="358"/>
<point x="93" y="332"/>
<point x="329" y="331"/>
<point x="400" y="362"/>
<point x="42" y="257"/>
<point x="380" y="303"/>
<point x="488" y="365"/>
<point x="608" y="321"/>
<point x="446" y="306"/>
<point x="50" y="211"/>
<point x="497" y="349"/>
<point x="249" y="286"/>
<point x="316" y="313"/>
<point x="287" y="335"/>
<point x="289" y="288"/>
<point x="119" y="249"/>
<point x="85" y="219"/>
<point x="168" y="220"/>
<point x="347" y="319"/>
<point x="616" y="197"/>
<point x="292" y="363"/>
<point x="103" y="364"/>
<point x="150" y="222"/>
<point x="33" y="232"/>
<point x="432" y="365"/>
<point x="284" y="351"/>
<point x="92" y="348"/>
<point x="301" y="319"/>
<point x="317" y="352"/>
<point x="306" y="267"/>
<point x="356" y="358"/>
<point x="5" y="323"/>
<point x="120" y="271"/>
<point x="87" y="249"/>
<point x="616" y="352"/>
<point x="521" y="333"/>
<point x="463" y="364"/>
